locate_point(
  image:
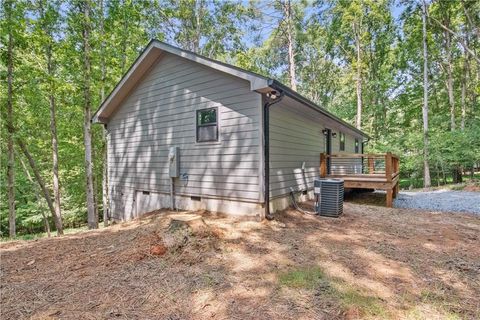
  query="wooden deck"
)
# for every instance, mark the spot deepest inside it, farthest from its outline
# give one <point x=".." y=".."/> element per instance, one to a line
<point x="364" y="171"/>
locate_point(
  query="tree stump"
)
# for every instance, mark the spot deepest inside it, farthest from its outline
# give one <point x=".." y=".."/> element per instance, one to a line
<point x="194" y="223"/>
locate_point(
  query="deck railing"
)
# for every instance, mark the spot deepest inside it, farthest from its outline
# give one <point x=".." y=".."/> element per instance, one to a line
<point x="364" y="171"/>
<point x="362" y="165"/>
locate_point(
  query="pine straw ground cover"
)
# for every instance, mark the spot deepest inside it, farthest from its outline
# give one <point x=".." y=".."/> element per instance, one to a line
<point x="371" y="263"/>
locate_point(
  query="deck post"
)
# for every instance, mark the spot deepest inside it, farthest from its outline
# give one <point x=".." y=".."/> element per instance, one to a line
<point x="388" y="175"/>
<point x="323" y="165"/>
<point x="388" y="166"/>
<point x="390" y="198"/>
<point x="371" y="165"/>
<point x="395" y="190"/>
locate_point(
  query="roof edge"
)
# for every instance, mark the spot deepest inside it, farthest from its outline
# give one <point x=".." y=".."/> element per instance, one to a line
<point x="297" y="96"/>
<point x="257" y="81"/>
<point x="97" y="116"/>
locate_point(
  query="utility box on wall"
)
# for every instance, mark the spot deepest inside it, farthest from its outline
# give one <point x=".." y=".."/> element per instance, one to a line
<point x="174" y="162"/>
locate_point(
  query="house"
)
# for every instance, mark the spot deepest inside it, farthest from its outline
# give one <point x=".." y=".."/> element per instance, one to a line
<point x="193" y="133"/>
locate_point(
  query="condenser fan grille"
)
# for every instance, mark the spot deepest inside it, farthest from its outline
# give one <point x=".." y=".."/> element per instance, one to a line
<point x="329" y="194"/>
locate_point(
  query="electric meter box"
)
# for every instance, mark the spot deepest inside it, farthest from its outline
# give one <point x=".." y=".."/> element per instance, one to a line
<point x="174" y="162"/>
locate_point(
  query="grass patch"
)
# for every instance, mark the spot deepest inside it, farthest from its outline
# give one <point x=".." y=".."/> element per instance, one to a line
<point x="367" y="305"/>
<point x="426" y="312"/>
<point x="437" y="303"/>
<point x="349" y="298"/>
<point x="430" y="305"/>
<point x="307" y="278"/>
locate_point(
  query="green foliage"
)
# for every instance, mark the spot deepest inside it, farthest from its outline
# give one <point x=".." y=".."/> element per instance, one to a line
<point x="250" y="35"/>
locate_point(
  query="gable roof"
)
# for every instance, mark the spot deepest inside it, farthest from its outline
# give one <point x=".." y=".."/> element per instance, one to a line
<point x="155" y="49"/>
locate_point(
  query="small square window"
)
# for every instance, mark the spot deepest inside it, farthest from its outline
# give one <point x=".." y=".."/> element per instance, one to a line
<point x="207" y="125"/>
<point x="342" y="141"/>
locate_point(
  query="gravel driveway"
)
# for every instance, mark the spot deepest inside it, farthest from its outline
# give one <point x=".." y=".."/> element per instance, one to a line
<point x="440" y="200"/>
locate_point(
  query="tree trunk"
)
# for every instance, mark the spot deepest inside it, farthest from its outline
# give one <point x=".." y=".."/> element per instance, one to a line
<point x="29" y="177"/>
<point x="38" y="177"/>
<point x="290" y="43"/>
<point x="437" y="169"/>
<point x="456" y="171"/>
<point x="53" y="130"/>
<point x="426" y="172"/>
<point x="123" y="60"/>
<point x="105" y="203"/>
<point x="463" y="97"/>
<point x="195" y="44"/>
<point x="87" y="133"/>
<point x="358" y="120"/>
<point x="53" y="125"/>
<point x="451" y="98"/>
<point x="468" y="55"/>
<point x="465" y="76"/>
<point x="457" y="175"/>
<point x="444" y="176"/>
<point x="9" y="118"/>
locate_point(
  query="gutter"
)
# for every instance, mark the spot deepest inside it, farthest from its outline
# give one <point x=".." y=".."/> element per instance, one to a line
<point x="270" y="98"/>
<point x="274" y="96"/>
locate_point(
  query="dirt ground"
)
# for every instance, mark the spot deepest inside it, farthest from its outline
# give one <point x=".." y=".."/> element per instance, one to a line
<point x="372" y="263"/>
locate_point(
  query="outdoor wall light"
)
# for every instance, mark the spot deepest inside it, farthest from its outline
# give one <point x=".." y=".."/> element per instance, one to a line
<point x="334" y="134"/>
<point x="272" y="94"/>
<point x="325" y="132"/>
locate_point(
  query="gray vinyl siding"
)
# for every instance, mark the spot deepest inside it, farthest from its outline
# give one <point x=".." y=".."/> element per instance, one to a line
<point x="296" y="137"/>
<point x="349" y="143"/>
<point x="345" y="165"/>
<point x="160" y="112"/>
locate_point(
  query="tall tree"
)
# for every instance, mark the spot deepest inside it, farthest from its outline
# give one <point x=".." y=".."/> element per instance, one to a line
<point x="85" y="9"/>
<point x="103" y="71"/>
<point x="290" y="37"/>
<point x="281" y="50"/>
<point x="354" y="29"/>
<point x="464" y="87"/>
<point x="426" y="168"/>
<point x="349" y="20"/>
<point x="48" y="23"/>
<point x="357" y="26"/>
<point x="208" y="28"/>
<point x="449" y="66"/>
<point x="10" y="150"/>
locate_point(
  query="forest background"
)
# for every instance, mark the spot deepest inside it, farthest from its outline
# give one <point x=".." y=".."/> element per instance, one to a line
<point x="405" y="72"/>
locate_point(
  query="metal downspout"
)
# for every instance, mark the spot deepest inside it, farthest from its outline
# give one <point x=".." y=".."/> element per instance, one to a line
<point x="270" y="99"/>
